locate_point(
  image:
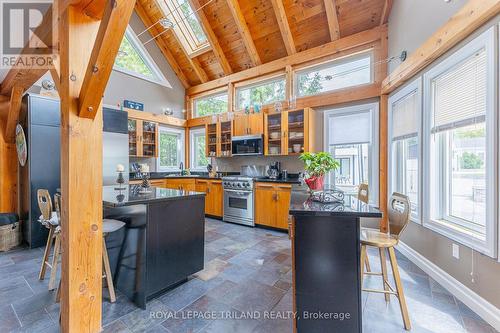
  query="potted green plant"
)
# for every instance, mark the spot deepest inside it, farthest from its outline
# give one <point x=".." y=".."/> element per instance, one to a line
<point x="316" y="165"/>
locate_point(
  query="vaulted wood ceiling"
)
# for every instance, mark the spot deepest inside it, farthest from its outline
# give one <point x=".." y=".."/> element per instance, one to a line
<point x="246" y="33"/>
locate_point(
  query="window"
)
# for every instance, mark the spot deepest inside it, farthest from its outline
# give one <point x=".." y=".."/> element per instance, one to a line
<point x="171" y="149"/>
<point x="185" y="24"/>
<point x="405" y="110"/>
<point x="261" y="93"/>
<point x="335" y="75"/>
<point x="460" y="131"/>
<point x="351" y="136"/>
<point x="133" y="59"/>
<point x="209" y="105"/>
<point x="199" y="160"/>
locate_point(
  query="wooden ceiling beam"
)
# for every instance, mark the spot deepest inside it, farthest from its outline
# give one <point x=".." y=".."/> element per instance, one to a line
<point x="386" y="11"/>
<point x="333" y="19"/>
<point x="162" y="45"/>
<point x="109" y="37"/>
<point x="469" y="18"/>
<point x="242" y="26"/>
<point x="13" y="115"/>
<point x="212" y="38"/>
<point x="286" y="33"/>
<point x="91" y="8"/>
<point x="344" y="44"/>
<point x="200" y="72"/>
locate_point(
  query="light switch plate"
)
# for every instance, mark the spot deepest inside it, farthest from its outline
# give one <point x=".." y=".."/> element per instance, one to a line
<point x="455" y="251"/>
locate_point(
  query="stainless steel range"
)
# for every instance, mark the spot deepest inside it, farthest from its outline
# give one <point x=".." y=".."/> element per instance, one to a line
<point x="238" y="199"/>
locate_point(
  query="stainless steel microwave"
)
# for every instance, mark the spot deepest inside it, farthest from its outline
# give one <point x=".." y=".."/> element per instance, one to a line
<point x="248" y="145"/>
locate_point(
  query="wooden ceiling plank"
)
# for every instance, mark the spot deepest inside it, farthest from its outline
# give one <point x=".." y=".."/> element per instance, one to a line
<point x="139" y="9"/>
<point x="333" y="19"/>
<point x="286" y="33"/>
<point x="343" y="44"/>
<point x="13" y="116"/>
<point x="109" y="37"/>
<point x="386" y="11"/>
<point x="242" y="26"/>
<point x="469" y="18"/>
<point x="212" y="38"/>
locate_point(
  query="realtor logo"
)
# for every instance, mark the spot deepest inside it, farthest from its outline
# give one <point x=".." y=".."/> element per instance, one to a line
<point x="26" y="34"/>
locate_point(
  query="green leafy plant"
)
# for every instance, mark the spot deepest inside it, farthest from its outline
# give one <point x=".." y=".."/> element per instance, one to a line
<point x="318" y="164"/>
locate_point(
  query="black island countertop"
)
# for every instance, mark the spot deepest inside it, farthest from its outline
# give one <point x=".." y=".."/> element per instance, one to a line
<point x="302" y="204"/>
<point x="131" y="195"/>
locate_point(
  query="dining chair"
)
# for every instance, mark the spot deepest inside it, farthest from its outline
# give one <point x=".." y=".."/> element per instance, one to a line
<point x="398" y="211"/>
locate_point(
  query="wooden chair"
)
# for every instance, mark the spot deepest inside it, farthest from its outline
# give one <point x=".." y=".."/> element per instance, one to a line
<point x="51" y="222"/>
<point x="399" y="215"/>
<point x="363" y="193"/>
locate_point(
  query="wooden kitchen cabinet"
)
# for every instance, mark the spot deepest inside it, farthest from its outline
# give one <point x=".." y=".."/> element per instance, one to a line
<point x="272" y="203"/>
<point x="181" y="184"/>
<point x="142" y="138"/>
<point x="289" y="132"/>
<point x="218" y="139"/>
<point x="248" y="124"/>
<point x="158" y="182"/>
<point x="214" y="195"/>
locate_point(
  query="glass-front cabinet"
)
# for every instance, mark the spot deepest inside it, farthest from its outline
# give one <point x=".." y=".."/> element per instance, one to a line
<point x="142" y="138"/>
<point x="219" y="137"/>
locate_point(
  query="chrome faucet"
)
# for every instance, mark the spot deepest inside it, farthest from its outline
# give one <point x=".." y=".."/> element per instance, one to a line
<point x="181" y="167"/>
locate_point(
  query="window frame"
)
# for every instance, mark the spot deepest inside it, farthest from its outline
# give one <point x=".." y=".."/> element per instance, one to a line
<point x="180" y="148"/>
<point x="373" y="108"/>
<point x="205" y="96"/>
<point x="253" y="84"/>
<point x="193" y="133"/>
<point x="413" y="86"/>
<point x="446" y="228"/>
<point x="331" y="63"/>
<point x="146" y="57"/>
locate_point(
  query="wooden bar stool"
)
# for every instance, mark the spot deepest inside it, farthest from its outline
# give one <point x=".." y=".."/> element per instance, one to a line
<point x="399" y="216"/>
<point x="363" y="193"/>
<point x="51" y="221"/>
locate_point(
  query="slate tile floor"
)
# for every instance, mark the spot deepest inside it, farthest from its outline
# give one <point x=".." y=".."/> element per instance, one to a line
<point x="246" y="270"/>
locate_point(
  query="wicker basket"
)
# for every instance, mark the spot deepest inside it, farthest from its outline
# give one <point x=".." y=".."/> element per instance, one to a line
<point x="10" y="236"/>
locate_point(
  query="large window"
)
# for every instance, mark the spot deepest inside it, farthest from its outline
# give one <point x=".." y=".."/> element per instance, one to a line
<point x="199" y="160"/>
<point x="261" y="93"/>
<point x="209" y="105"/>
<point x="133" y="59"/>
<point x="460" y="128"/>
<point x="405" y="109"/>
<point x="171" y="149"/>
<point x="351" y="136"/>
<point x="334" y="75"/>
<point x="185" y="24"/>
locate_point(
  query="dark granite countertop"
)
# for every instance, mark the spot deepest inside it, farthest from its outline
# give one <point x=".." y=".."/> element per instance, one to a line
<point x="302" y="204"/>
<point x="131" y="195"/>
<point x="282" y="181"/>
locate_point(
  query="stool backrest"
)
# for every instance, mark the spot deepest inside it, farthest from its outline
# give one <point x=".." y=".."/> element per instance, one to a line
<point x="398" y="213"/>
<point x="57" y="204"/>
<point x="44" y="203"/>
<point x="363" y="192"/>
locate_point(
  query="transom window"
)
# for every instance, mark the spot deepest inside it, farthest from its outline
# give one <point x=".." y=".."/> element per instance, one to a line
<point x="209" y="105"/>
<point x="133" y="59"/>
<point x="261" y="93"/>
<point x="185" y="24"/>
<point x="338" y="74"/>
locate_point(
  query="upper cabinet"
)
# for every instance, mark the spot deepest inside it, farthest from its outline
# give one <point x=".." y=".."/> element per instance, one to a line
<point x="289" y="132"/>
<point x="248" y="124"/>
<point x="218" y="138"/>
<point x="143" y="138"/>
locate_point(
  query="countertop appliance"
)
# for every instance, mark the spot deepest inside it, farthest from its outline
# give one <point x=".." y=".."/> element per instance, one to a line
<point x="238" y="199"/>
<point x="247" y="145"/>
<point x="114" y="145"/>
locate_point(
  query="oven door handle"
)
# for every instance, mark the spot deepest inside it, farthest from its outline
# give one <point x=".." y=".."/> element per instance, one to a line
<point x="240" y="193"/>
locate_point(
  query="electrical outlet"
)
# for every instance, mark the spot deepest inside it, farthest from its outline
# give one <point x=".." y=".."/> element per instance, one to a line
<point x="455" y="251"/>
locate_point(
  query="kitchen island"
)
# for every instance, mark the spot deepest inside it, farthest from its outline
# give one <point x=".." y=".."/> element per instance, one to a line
<point x="326" y="263"/>
<point x="162" y="242"/>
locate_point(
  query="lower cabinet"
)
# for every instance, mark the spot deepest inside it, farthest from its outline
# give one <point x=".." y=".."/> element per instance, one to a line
<point x="157" y="182"/>
<point x="214" y="194"/>
<point x="272" y="203"/>
<point x="181" y="184"/>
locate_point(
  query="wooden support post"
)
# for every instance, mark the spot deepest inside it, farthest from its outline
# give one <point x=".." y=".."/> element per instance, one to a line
<point x="383" y="160"/>
<point x="81" y="181"/>
<point x="13" y="116"/>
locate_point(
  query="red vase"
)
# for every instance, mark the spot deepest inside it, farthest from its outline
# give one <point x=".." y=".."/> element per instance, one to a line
<point x="316" y="183"/>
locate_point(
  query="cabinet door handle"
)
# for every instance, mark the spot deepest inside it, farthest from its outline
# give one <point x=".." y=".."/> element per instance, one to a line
<point x="208" y="190"/>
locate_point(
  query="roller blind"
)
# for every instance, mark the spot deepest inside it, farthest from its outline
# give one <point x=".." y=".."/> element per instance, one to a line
<point x="459" y="95"/>
<point x="350" y="129"/>
<point x="405" y="116"/>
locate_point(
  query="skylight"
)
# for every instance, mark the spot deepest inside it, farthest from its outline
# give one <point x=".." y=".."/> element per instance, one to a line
<point x="185" y="24"/>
